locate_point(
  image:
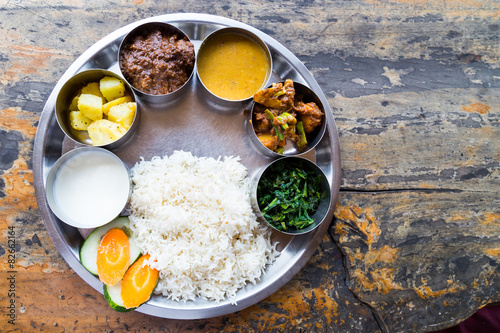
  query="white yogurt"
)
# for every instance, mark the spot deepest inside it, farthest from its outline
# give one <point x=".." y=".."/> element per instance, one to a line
<point x="91" y="189"/>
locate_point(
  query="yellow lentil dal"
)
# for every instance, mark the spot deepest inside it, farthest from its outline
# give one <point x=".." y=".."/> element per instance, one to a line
<point x="232" y="66"/>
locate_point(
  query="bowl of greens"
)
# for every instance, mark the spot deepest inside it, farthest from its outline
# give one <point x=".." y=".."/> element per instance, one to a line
<point x="292" y="195"/>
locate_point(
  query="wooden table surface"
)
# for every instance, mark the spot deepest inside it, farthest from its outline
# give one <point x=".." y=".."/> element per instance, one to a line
<point x="414" y="87"/>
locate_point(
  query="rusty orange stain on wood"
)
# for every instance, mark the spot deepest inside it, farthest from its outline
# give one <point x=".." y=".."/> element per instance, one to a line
<point x="18" y="188"/>
<point x="325" y="304"/>
<point x="363" y="219"/>
<point x="18" y="180"/>
<point x="366" y="223"/>
<point x="384" y="278"/>
<point x="386" y="254"/>
<point x="294" y="304"/>
<point x="359" y="149"/>
<point x="19" y="120"/>
<point x="18" y="203"/>
<point x="457" y="217"/>
<point x="490" y="218"/>
<point x="493" y="253"/>
<point x="487" y="12"/>
<point x="381" y="280"/>
<point x="138" y="2"/>
<point x="426" y="292"/>
<point x="39" y="264"/>
<point x="31" y="48"/>
<point x="477" y="107"/>
<point x="31" y="60"/>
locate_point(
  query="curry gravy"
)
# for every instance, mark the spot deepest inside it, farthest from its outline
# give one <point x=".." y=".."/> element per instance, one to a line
<point x="232" y="66"/>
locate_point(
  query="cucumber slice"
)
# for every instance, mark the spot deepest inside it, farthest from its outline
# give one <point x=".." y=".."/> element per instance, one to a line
<point x="138" y="280"/>
<point x="88" y="251"/>
<point x="112" y="294"/>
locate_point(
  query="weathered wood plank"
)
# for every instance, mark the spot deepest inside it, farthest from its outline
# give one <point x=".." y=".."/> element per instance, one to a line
<point x="421" y="259"/>
<point x="439" y="139"/>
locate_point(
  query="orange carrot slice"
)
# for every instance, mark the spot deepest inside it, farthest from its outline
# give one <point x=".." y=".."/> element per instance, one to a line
<point x="113" y="256"/>
<point x="138" y="283"/>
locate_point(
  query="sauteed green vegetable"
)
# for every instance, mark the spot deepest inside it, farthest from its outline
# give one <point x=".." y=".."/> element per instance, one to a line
<point x="288" y="195"/>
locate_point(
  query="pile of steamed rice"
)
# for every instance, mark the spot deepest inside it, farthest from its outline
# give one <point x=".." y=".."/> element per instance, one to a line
<point x="193" y="216"/>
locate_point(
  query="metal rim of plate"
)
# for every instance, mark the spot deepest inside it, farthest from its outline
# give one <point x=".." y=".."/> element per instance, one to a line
<point x="49" y="146"/>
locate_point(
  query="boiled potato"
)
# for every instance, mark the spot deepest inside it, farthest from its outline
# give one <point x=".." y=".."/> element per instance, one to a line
<point x="79" y="121"/>
<point x="91" y="106"/>
<point x="269" y="140"/>
<point x="74" y="103"/>
<point x="123" y="114"/>
<point x="81" y="136"/>
<point x="103" y="131"/>
<point x="108" y="105"/>
<point x="111" y="88"/>
<point x="93" y="89"/>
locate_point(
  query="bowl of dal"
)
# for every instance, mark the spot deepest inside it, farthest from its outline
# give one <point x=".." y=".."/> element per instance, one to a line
<point x="232" y="64"/>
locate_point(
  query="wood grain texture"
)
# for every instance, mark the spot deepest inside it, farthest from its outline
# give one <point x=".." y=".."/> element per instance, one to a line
<point x="414" y="86"/>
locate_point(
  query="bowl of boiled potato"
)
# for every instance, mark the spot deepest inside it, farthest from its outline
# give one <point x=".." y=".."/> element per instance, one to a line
<point x="97" y="107"/>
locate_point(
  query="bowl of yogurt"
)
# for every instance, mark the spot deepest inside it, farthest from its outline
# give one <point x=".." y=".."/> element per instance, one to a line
<point x="88" y="187"/>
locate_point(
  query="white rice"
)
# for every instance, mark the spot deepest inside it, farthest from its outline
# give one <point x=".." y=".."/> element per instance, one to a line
<point x="193" y="216"/>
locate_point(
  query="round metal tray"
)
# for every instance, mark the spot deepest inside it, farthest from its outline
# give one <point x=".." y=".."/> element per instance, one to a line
<point x="190" y="124"/>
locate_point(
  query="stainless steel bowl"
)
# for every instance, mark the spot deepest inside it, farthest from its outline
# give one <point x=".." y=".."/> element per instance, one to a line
<point x="67" y="170"/>
<point x="143" y="30"/>
<point x="321" y="212"/>
<point x="70" y="90"/>
<point x="221" y="103"/>
<point x="308" y="95"/>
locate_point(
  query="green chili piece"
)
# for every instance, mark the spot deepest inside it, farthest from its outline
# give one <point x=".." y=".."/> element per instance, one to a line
<point x="302" y="141"/>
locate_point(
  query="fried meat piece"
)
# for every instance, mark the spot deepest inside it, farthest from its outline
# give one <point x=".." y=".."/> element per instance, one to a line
<point x="310" y="115"/>
<point x="261" y="122"/>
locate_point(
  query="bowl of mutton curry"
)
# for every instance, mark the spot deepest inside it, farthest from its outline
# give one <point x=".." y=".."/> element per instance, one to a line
<point x="157" y="59"/>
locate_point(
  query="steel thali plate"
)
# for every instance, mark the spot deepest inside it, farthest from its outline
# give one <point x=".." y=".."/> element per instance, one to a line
<point x="190" y="124"/>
